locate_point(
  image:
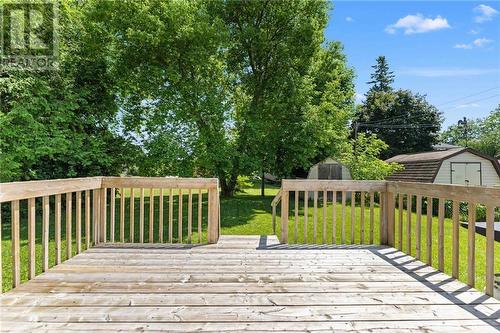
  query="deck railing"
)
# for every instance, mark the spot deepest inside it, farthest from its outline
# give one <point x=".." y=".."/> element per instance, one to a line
<point x="413" y="200"/>
<point x="95" y="211"/>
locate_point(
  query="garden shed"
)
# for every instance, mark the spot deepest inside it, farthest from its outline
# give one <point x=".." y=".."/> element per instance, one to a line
<point x="461" y="166"/>
<point x="329" y="169"/>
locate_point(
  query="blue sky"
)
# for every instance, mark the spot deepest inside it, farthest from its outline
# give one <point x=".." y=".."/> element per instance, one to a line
<point x="449" y="51"/>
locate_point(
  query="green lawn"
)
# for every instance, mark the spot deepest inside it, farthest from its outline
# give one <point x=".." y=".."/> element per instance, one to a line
<point x="245" y="214"/>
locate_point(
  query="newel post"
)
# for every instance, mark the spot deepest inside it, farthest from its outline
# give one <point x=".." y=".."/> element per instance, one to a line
<point x="213" y="214"/>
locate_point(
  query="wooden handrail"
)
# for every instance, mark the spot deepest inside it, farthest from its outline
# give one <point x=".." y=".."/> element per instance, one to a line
<point x="274" y="203"/>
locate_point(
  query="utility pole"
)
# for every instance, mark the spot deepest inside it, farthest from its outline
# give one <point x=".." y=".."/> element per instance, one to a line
<point x="463" y="123"/>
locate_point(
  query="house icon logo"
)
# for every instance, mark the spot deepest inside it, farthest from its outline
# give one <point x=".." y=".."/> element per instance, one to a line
<point x="28" y="36"/>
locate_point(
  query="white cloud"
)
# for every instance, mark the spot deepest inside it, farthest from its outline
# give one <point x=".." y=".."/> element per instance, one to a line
<point x="349" y="19"/>
<point x="485" y="13"/>
<point x="468" y="106"/>
<point x="473" y="31"/>
<point x="414" y="24"/>
<point x="463" y="46"/>
<point x="478" y="42"/>
<point x="447" y="72"/>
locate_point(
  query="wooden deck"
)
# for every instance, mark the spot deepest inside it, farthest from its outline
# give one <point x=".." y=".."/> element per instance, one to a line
<point x="246" y="284"/>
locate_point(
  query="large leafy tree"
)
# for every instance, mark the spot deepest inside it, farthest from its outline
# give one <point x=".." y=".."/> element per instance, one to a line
<point x="403" y="120"/>
<point x="61" y="123"/>
<point x="229" y="88"/>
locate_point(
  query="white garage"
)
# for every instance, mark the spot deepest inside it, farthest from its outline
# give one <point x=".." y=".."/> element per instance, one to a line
<point x="462" y="166"/>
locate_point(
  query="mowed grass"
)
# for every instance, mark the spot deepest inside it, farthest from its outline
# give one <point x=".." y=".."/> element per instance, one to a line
<point x="247" y="213"/>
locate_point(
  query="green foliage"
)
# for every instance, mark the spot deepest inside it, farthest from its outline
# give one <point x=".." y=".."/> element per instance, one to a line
<point x="227" y="88"/>
<point x="482" y="134"/>
<point x="382" y="77"/>
<point x="402" y="119"/>
<point x="243" y="183"/>
<point x="62" y="123"/>
<point x="363" y="159"/>
<point x="205" y="88"/>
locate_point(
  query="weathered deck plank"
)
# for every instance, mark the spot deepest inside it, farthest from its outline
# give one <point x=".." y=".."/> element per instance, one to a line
<point x="246" y="284"/>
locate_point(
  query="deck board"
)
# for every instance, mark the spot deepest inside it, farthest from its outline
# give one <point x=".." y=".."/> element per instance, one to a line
<point x="246" y="284"/>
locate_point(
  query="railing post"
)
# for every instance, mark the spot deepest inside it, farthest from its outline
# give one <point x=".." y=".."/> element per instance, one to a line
<point x="213" y="215"/>
<point x="284" y="216"/>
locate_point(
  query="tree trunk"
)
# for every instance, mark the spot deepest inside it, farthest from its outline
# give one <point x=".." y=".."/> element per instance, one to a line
<point x="262" y="185"/>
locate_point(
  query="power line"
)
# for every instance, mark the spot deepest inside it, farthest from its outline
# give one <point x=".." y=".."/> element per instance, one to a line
<point x="465" y="97"/>
<point x="395" y="126"/>
<point x="477" y="100"/>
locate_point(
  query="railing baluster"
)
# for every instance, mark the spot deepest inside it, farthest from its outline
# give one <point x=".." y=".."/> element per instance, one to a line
<point x="122" y="215"/>
<point x="342" y="231"/>
<point x="31" y="237"/>
<point x="418" y="229"/>
<point x="151" y="214"/>
<point x="490" y="249"/>
<point x="170" y="216"/>
<point x="296" y="219"/>
<point x="57" y="216"/>
<point x="400" y="220"/>
<point x="87" y="219"/>
<point x="390" y="211"/>
<point x="179" y="218"/>
<point x="306" y="214"/>
<point x="160" y="215"/>
<point x="16" y="258"/>
<point x="45" y="233"/>
<point x="78" y="221"/>
<point x="315" y="217"/>
<point x="131" y="216"/>
<point x="325" y="204"/>
<point x="362" y="217"/>
<point x="200" y="212"/>
<point x="429" y="231"/>
<point x="334" y="217"/>
<point x="471" y="253"/>
<point x="141" y="216"/>
<point x="1" y="267"/>
<point x="455" y="236"/>
<point x="441" y="235"/>
<point x="95" y="215"/>
<point x="382" y="218"/>
<point x="353" y="215"/>
<point x="408" y="224"/>
<point x="190" y="215"/>
<point x="103" y="215"/>
<point x="372" y="217"/>
<point x="69" y="223"/>
<point x="112" y="215"/>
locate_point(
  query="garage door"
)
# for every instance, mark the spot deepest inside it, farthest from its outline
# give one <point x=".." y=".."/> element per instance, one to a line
<point x="466" y="173"/>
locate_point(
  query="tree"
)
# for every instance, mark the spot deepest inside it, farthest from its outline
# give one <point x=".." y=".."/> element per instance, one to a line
<point x="229" y="87"/>
<point x="403" y="120"/>
<point x="62" y="123"/>
<point x="363" y="158"/>
<point x="382" y="77"/>
<point x="482" y="134"/>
